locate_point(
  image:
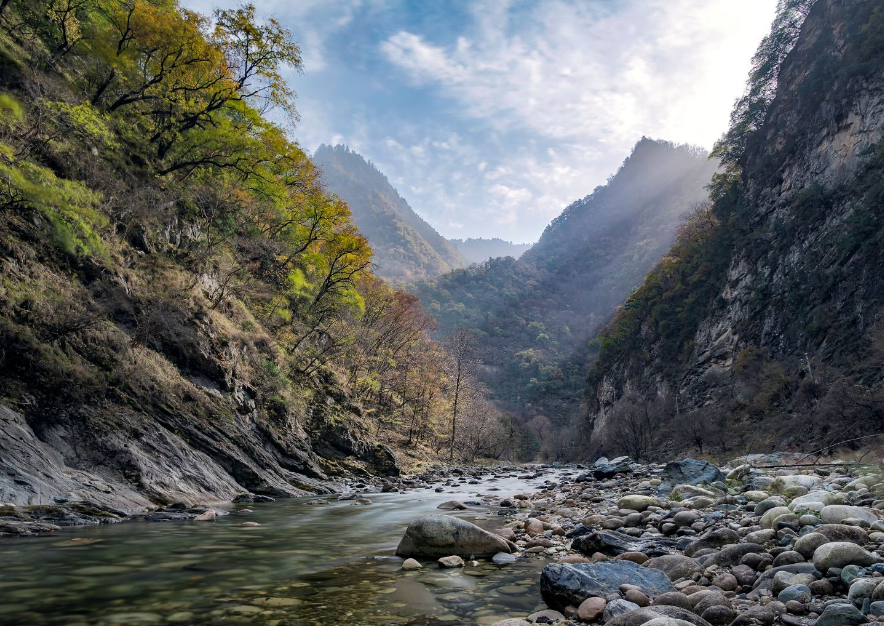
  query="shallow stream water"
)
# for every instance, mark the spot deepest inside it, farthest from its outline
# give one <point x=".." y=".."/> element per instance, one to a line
<point x="312" y="561"/>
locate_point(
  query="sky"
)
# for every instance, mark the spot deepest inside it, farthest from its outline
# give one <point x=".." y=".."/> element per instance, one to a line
<point x="491" y="116"/>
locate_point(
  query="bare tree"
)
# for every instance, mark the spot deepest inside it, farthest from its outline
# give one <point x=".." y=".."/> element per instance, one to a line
<point x="461" y="347"/>
<point x="637" y="422"/>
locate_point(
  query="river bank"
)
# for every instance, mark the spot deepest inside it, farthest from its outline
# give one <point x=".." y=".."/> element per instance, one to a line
<point x="292" y="561"/>
<point x="619" y="543"/>
<point x="766" y="541"/>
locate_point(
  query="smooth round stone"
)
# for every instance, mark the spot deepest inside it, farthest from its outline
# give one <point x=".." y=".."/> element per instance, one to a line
<point x="756" y="496"/>
<point x="637" y="597"/>
<point x="719" y="615"/>
<point x="761" y="536"/>
<point x="635" y="502"/>
<point x="839" y="554"/>
<point x="807" y="544"/>
<point x="511" y="590"/>
<point x="849" y="573"/>
<point x="685" y="518"/>
<point x="796" y="608"/>
<point x="789" y="557"/>
<point x="837" y="513"/>
<point x="769" y="517"/>
<point x="591" y="608"/>
<point x="861" y="588"/>
<point x="798" y="593"/>
<point x="503" y="558"/>
<point x="770" y="503"/>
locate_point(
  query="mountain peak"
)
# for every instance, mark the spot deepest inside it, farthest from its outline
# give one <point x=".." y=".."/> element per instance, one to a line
<point x="405" y="246"/>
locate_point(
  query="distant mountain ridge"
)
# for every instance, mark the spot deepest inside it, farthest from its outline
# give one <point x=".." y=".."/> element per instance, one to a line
<point x="405" y="246"/>
<point x="535" y="316"/>
<point x="480" y="249"/>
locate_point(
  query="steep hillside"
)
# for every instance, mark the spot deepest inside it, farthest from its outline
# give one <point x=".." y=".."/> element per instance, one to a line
<point x="762" y="326"/>
<point x="185" y="313"/>
<point x="405" y="246"/>
<point x="534" y="316"/>
<point x="479" y="250"/>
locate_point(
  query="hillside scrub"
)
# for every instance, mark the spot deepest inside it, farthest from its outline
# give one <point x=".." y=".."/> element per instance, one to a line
<point x="171" y="259"/>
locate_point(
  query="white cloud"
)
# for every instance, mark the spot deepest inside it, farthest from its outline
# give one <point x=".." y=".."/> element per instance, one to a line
<point x="529" y="104"/>
<point x="667" y="67"/>
<point x="587" y="80"/>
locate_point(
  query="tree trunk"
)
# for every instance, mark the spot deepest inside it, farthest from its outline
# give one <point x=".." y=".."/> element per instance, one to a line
<point x="454" y="414"/>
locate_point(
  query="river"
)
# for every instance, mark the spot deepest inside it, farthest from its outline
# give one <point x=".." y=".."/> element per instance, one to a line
<point x="311" y="561"/>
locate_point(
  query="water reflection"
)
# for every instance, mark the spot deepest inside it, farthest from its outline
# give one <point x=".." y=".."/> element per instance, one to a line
<point x="310" y="561"/>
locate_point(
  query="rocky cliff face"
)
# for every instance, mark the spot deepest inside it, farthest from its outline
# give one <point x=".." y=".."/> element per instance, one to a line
<point x="87" y="414"/>
<point x="804" y="249"/>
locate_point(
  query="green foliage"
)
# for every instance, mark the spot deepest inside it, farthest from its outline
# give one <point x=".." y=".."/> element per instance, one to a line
<point x="11" y="109"/>
<point x="83" y="119"/>
<point x="68" y="205"/>
<point x="750" y="111"/>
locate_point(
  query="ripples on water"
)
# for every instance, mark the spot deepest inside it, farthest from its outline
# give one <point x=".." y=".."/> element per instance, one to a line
<point x="307" y="563"/>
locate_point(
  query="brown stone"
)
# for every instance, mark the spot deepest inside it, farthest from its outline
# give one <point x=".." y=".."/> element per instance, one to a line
<point x="591" y="609"/>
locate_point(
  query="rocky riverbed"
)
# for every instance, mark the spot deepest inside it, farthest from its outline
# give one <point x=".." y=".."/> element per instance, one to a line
<point x="615" y="542"/>
<point x="687" y="543"/>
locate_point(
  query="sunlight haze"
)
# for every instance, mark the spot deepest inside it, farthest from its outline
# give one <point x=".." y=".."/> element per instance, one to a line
<point x="490" y="117"/>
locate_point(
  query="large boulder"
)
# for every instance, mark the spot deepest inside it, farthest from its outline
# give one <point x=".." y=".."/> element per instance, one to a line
<point x="841" y="615"/>
<point x="564" y="584"/>
<point x="442" y="535"/>
<point x="604" y="468"/>
<point x="689" y="472"/>
<point x="839" y="554"/>
<point x="843" y="532"/>
<point x="837" y="513"/>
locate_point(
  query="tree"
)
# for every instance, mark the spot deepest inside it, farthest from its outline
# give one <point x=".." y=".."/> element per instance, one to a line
<point x="162" y="59"/>
<point x="461" y="347"/>
<point x="750" y="110"/>
<point x="636" y="424"/>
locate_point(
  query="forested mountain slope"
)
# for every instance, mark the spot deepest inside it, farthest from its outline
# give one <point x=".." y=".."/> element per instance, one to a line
<point x="535" y="316"/>
<point x="762" y="326"/>
<point x="405" y="246"/>
<point x="479" y="250"/>
<point x="185" y="313"/>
